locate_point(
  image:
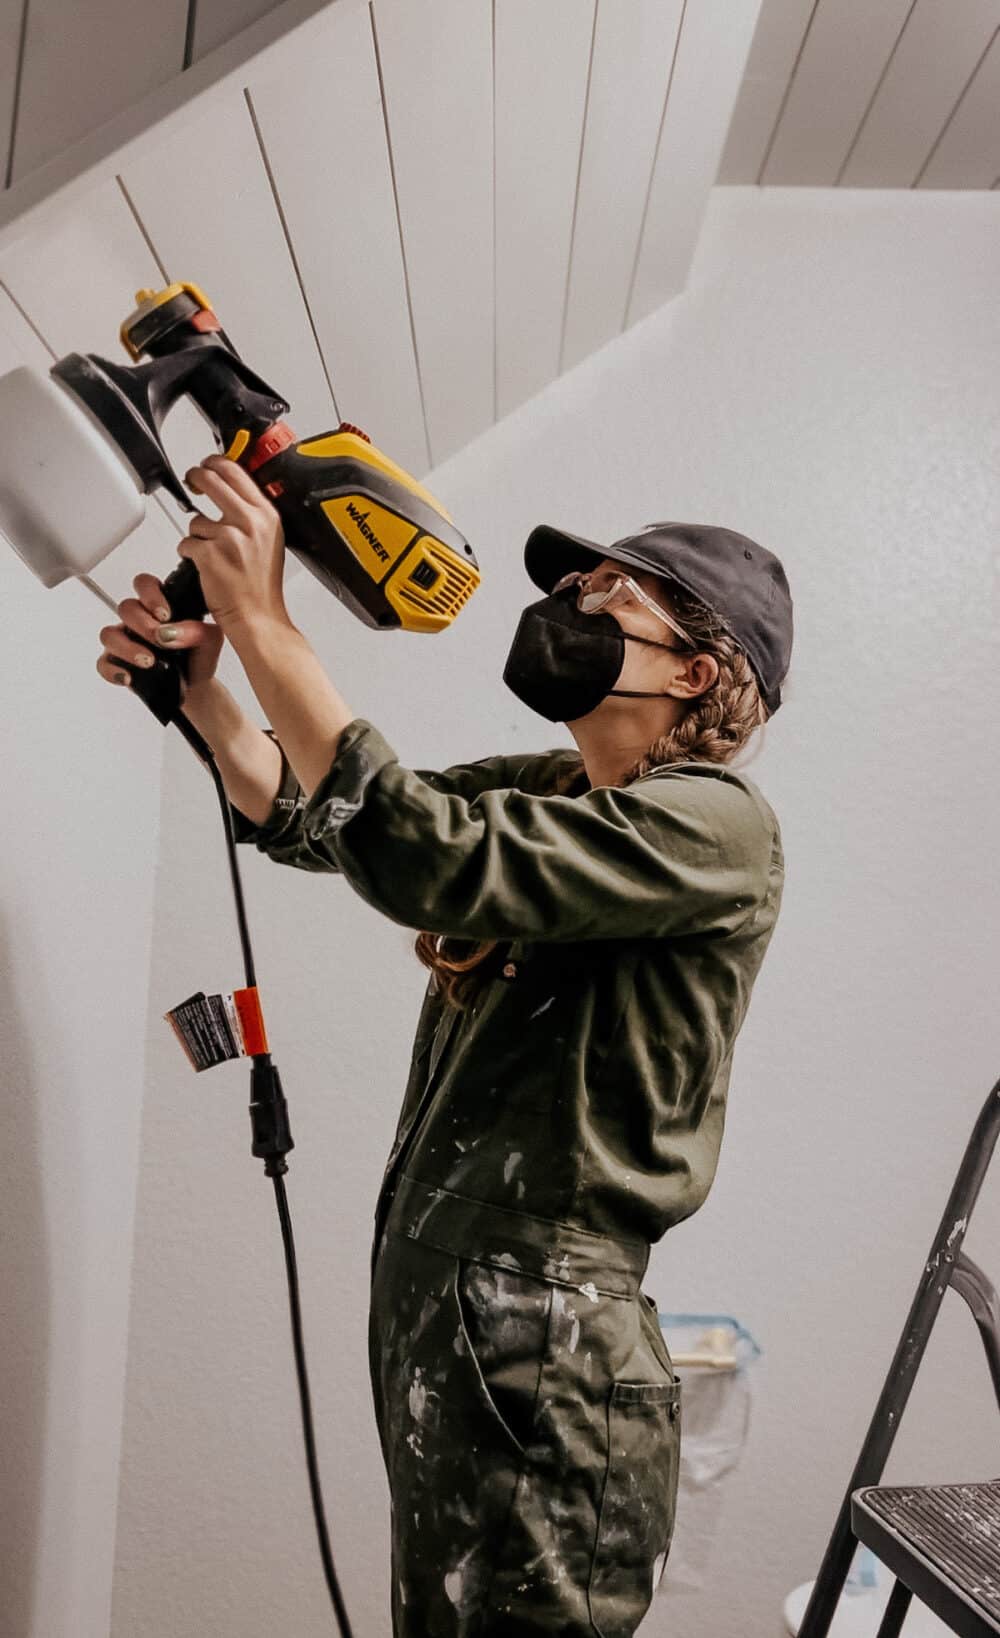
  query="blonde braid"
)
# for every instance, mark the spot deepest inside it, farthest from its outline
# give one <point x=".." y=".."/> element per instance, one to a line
<point x="719" y="723"/>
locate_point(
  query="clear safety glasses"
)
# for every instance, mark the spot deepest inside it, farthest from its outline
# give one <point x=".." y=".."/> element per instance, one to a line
<point x="622" y="593"/>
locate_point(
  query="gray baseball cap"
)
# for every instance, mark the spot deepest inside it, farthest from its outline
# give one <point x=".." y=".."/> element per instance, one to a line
<point x="741" y="582"/>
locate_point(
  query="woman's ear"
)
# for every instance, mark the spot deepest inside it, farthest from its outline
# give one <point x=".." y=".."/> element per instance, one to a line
<point x="700" y="673"/>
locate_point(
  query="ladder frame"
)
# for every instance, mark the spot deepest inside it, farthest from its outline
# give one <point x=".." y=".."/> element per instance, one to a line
<point x="946" y="1265"/>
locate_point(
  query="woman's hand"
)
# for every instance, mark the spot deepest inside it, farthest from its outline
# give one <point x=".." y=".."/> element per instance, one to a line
<point x="240" y="557"/>
<point x="203" y="640"/>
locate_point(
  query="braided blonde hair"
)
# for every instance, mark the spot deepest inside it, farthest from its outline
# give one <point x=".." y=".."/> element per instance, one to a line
<point x="715" y="728"/>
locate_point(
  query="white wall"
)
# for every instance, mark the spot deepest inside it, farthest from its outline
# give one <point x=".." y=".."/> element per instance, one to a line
<point x="78" y="866"/>
<point x="826" y="385"/>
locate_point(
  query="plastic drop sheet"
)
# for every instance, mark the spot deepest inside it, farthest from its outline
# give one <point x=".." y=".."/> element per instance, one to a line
<point x="715" y="1421"/>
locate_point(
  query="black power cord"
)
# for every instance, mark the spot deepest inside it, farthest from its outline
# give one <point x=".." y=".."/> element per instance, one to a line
<point x="272" y="1140"/>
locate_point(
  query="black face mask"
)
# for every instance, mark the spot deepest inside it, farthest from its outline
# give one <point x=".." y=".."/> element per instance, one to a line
<point x="563" y="662"/>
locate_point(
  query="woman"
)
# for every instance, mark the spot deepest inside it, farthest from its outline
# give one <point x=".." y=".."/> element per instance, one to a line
<point x="593" y="923"/>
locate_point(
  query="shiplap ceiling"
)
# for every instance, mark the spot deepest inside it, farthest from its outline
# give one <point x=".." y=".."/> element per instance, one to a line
<point x="409" y="214"/>
<point x="870" y="94"/>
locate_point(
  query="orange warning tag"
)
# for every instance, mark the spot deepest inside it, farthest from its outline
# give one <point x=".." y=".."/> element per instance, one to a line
<point x="247" y="1003"/>
<point x="214" y="1028"/>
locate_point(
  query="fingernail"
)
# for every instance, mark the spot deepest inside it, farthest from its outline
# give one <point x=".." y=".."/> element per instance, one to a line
<point x="122" y="677"/>
<point x="166" y="634"/>
<point x="162" y="614"/>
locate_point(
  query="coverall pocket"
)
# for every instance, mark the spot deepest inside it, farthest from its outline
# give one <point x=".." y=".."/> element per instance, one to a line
<point x="638" y="1505"/>
<point x="505" y="1317"/>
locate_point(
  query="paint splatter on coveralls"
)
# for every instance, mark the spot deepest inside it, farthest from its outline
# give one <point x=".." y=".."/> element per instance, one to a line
<point x="527" y="1406"/>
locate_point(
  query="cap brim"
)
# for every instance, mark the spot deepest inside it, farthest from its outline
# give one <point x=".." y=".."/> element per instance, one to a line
<point x="550" y="553"/>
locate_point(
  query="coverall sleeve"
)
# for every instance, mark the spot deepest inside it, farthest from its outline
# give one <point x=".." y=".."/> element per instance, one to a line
<point x="281" y="835"/>
<point x="673" y="853"/>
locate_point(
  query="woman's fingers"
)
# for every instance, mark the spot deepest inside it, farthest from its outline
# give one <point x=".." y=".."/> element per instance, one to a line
<point x="111" y="671"/>
<point x="139" y="621"/>
<point x="150" y="594"/>
<point x="142" y="633"/>
<point x="119" y="645"/>
<point x="141" y="615"/>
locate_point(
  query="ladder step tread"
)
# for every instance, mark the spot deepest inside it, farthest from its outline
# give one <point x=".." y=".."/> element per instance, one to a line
<point x="954" y="1526"/>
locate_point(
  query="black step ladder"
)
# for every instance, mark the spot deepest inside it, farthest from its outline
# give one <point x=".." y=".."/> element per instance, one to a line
<point x="941" y="1542"/>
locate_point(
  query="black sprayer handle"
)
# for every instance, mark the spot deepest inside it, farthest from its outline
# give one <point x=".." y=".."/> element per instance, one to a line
<point x="160" y="686"/>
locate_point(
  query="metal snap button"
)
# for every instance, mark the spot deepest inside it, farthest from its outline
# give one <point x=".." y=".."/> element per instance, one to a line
<point x="510" y="970"/>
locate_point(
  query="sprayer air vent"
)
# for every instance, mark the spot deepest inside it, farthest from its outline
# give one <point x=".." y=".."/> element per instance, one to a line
<point x="450" y="597"/>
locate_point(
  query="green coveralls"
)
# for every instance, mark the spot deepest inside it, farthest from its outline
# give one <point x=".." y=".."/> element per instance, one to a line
<point x="527" y="1406"/>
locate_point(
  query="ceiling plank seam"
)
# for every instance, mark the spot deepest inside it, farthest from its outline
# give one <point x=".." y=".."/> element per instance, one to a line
<point x="272" y="183"/>
<point x="189" y="34"/>
<point x="399" y="228"/>
<point x="576" y="192"/>
<point x="29" y="321"/>
<point x="872" y="99"/>
<point x="779" y="116"/>
<point x="140" y="224"/>
<point x="652" y="169"/>
<point x="961" y="98"/>
<point x="18" y="77"/>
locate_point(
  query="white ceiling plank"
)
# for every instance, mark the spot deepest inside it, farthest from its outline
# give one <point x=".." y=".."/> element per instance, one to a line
<point x="846" y="51"/>
<point x="634" y="48"/>
<point x="936" y="56"/>
<point x="80" y="69"/>
<point x="11" y="16"/>
<point x="780" y="32"/>
<point x="967" y="154"/>
<point x="75" y="282"/>
<point x="217" y="21"/>
<point x="206" y="203"/>
<point x="437" y="73"/>
<point x="44" y="194"/>
<point x="711" y="57"/>
<point x="343" y="224"/>
<point x="537" y="162"/>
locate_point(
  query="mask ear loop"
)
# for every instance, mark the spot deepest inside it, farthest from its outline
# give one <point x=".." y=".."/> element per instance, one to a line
<point x="644" y="693"/>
